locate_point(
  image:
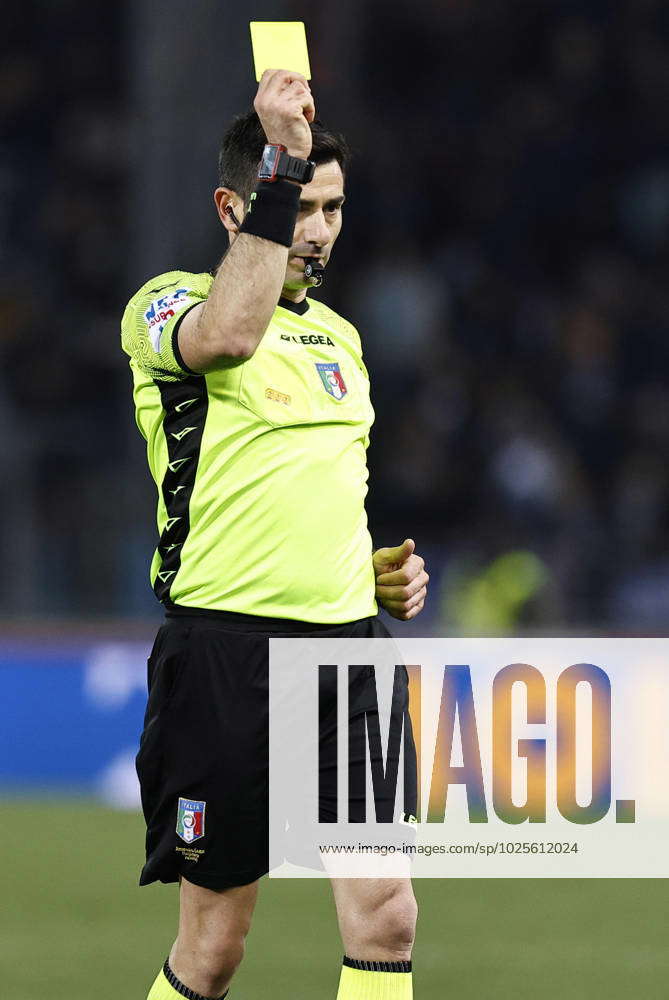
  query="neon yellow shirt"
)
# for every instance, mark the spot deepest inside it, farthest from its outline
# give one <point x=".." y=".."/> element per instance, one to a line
<point x="261" y="468"/>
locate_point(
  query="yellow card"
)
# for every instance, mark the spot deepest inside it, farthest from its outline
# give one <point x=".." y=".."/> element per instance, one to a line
<point x="280" y="45"/>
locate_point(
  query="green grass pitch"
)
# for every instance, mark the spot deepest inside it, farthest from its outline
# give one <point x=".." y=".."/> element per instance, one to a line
<point x="75" y="926"/>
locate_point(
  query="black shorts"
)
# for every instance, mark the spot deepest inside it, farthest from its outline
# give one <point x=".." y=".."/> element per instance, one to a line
<point x="203" y="758"/>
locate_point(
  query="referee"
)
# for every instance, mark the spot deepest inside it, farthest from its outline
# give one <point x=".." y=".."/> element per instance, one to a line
<point x="254" y="403"/>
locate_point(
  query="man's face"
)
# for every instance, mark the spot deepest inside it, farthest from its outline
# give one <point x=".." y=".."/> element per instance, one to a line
<point x="318" y="223"/>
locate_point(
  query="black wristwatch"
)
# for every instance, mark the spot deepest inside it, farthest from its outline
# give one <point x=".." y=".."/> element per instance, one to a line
<point x="277" y="164"/>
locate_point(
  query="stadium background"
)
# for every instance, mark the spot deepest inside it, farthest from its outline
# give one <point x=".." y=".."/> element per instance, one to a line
<point x="504" y="256"/>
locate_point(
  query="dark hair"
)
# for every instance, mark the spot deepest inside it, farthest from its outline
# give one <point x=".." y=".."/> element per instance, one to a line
<point x="242" y="146"/>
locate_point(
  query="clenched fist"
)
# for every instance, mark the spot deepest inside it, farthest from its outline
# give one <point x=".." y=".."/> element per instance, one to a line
<point x="285" y="108"/>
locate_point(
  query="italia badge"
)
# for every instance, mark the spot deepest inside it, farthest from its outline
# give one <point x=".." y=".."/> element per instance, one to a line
<point x="190" y="820"/>
<point x="332" y="379"/>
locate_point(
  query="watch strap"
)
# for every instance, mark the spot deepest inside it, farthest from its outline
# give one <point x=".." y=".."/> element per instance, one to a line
<point x="284" y="166"/>
<point x="295" y="169"/>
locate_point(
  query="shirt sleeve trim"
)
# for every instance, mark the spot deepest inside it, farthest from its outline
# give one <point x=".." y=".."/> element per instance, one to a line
<point x="175" y="341"/>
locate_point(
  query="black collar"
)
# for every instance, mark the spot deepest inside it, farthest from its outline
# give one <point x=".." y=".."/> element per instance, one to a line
<point x="296" y="307"/>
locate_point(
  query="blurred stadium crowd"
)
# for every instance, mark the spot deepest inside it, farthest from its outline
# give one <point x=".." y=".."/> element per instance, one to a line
<point x="505" y="258"/>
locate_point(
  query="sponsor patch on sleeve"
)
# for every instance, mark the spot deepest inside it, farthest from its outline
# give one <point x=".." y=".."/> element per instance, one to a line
<point x="161" y="311"/>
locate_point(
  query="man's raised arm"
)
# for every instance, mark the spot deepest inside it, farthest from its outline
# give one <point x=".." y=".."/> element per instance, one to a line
<point x="227" y="328"/>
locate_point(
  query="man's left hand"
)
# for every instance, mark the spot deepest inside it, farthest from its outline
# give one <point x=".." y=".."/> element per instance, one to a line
<point x="401" y="580"/>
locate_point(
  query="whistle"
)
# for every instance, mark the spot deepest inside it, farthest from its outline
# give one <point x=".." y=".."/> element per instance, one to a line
<point x="314" y="271"/>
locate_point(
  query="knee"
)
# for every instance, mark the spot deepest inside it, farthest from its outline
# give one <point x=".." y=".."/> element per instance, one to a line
<point x="390" y="928"/>
<point x="397" y="920"/>
<point x="219" y="957"/>
<point x="208" y="959"/>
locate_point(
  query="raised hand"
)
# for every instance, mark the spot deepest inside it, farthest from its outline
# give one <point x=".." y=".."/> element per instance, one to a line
<point x="285" y="107"/>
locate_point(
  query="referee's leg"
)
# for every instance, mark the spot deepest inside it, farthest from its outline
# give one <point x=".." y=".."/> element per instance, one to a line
<point x="210" y="943"/>
<point x="377" y="921"/>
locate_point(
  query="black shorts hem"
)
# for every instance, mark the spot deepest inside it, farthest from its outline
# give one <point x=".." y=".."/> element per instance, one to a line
<point x="210" y="880"/>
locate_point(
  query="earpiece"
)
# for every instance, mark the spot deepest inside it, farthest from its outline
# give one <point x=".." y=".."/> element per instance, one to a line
<point x="229" y="211"/>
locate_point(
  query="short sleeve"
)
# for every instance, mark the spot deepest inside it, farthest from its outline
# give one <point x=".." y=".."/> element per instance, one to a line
<point x="151" y="320"/>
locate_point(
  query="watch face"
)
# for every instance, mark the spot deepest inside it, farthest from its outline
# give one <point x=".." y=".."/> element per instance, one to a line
<point x="268" y="163"/>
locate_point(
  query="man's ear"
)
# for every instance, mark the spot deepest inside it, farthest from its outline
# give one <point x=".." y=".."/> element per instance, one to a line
<point x="230" y="209"/>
